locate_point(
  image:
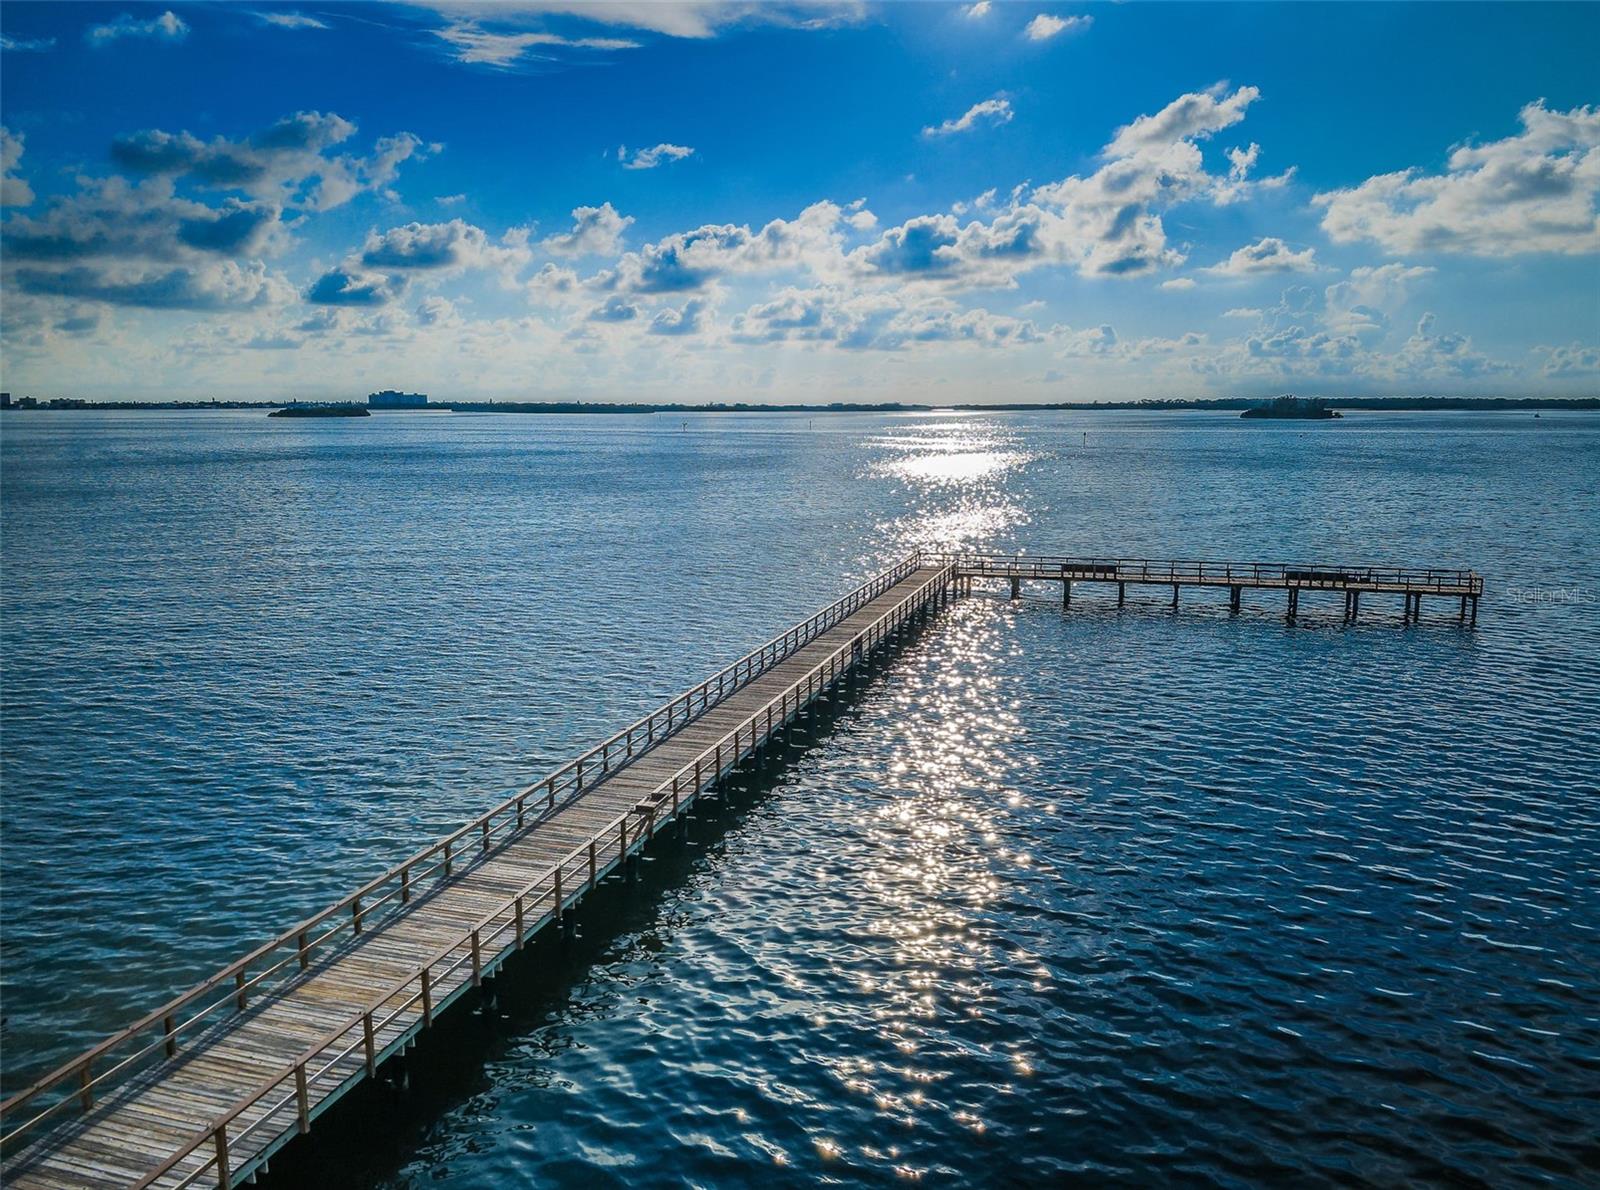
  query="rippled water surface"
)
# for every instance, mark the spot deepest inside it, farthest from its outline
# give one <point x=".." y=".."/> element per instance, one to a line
<point x="1086" y="897"/>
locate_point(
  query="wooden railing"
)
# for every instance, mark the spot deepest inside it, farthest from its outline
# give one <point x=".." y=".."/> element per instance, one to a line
<point x="157" y="1035"/>
<point x="1435" y="581"/>
<point x="411" y="1003"/>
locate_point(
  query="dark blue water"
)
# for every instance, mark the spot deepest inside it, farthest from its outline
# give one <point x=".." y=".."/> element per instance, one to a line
<point x="1098" y="897"/>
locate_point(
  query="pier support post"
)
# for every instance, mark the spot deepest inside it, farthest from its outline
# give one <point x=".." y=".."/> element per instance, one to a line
<point x="1016" y="588"/>
<point x="1462" y="617"/>
<point x="224" y="1171"/>
<point x="1294" y="604"/>
<point x="1122" y="594"/>
<point x="1174" y="596"/>
<point x="1473" y="623"/>
<point x="1233" y="599"/>
<point x="1066" y="593"/>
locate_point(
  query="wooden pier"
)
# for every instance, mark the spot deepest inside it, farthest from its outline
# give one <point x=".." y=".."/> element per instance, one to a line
<point x="1350" y="582"/>
<point x="205" y="1089"/>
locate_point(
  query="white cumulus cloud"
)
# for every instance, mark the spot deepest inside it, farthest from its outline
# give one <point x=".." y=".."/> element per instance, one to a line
<point x="290" y="161"/>
<point x="655" y="155"/>
<point x="691" y="260"/>
<point x="26" y="45"/>
<point x="1045" y="26"/>
<point x="14" y="190"/>
<point x="1267" y="255"/>
<point x="1194" y="116"/>
<point x="445" y="247"/>
<point x="596" y="231"/>
<point x="1575" y="359"/>
<point x="690" y="320"/>
<point x="1536" y="191"/>
<point x="470" y="43"/>
<point x="291" y="20"/>
<point x="169" y="26"/>
<point x="835" y="317"/>
<point x="990" y="112"/>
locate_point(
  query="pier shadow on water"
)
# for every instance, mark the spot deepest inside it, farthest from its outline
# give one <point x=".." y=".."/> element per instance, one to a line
<point x="366" y="1138"/>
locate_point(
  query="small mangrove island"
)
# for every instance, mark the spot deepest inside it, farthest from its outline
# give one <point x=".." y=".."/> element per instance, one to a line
<point x="320" y="411"/>
<point x="1294" y="409"/>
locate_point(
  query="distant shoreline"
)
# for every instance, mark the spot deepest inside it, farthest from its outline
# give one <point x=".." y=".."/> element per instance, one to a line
<point x="1221" y="404"/>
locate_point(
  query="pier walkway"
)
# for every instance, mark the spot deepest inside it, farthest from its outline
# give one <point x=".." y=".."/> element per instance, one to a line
<point x="203" y="1090"/>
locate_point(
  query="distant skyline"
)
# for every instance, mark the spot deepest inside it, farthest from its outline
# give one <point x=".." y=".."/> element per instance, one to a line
<point x="688" y="200"/>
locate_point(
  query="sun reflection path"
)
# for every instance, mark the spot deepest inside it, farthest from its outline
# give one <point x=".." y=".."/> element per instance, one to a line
<point x="943" y="803"/>
<point x="962" y="483"/>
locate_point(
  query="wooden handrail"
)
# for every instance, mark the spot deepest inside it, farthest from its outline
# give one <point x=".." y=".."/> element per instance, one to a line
<point x="567" y="780"/>
<point x="426" y="977"/>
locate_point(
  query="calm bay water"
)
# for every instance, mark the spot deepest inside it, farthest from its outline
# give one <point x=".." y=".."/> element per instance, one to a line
<point x="1096" y="897"/>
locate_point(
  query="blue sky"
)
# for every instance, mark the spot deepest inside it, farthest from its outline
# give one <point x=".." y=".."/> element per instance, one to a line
<point x="713" y="201"/>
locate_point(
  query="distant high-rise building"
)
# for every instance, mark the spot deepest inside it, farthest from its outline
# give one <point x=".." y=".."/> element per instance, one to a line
<point x="389" y="399"/>
<point x="5" y="400"/>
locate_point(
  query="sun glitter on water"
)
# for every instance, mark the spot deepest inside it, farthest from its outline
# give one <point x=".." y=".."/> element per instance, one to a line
<point x="963" y="474"/>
